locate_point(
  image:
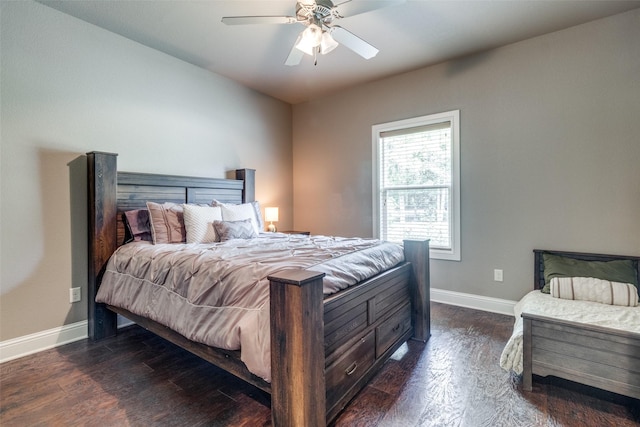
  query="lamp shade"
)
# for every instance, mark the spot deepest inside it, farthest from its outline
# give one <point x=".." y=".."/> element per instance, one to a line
<point x="271" y="214"/>
<point x="311" y="38"/>
<point x="327" y="44"/>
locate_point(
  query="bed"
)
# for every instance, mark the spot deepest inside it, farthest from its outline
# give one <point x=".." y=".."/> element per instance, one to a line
<point x="333" y="343"/>
<point x="586" y="342"/>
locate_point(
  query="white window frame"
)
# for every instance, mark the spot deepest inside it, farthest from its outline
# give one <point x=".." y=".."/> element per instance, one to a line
<point x="453" y="253"/>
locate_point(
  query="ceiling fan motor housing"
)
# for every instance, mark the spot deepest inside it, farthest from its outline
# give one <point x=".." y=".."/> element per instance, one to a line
<point x="320" y="12"/>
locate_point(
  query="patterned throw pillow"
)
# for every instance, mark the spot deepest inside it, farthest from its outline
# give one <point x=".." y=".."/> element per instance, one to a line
<point x="198" y="222"/>
<point x="596" y="290"/>
<point x="228" y="230"/>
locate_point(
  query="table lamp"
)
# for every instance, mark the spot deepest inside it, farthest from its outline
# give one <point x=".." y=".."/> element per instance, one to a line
<point x="271" y="215"/>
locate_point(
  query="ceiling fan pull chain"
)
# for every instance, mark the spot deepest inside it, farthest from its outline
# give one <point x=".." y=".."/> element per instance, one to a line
<point x="315" y="56"/>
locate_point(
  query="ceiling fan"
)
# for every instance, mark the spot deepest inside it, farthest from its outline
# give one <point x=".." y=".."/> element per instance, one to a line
<point x="321" y="35"/>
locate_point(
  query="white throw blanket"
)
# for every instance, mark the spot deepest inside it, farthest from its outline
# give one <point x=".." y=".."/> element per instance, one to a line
<point x="535" y="302"/>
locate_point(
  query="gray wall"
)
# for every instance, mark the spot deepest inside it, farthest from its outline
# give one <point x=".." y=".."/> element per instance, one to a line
<point x="550" y="151"/>
<point x="550" y="147"/>
<point x="69" y="87"/>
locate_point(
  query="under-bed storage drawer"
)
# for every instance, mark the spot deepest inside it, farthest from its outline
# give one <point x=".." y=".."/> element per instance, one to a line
<point x="342" y="374"/>
<point x="392" y="329"/>
<point x="346" y="323"/>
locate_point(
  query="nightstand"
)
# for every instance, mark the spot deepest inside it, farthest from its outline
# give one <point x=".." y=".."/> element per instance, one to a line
<point x="306" y="233"/>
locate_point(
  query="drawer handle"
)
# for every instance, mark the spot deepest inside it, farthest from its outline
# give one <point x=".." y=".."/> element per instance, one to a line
<point x="351" y="369"/>
<point x="396" y="328"/>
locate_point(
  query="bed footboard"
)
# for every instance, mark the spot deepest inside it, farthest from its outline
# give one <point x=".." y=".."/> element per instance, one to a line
<point x="600" y="357"/>
<point x="337" y="344"/>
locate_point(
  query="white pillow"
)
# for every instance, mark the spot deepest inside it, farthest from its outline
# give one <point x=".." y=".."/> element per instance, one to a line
<point x="596" y="290"/>
<point x="198" y="222"/>
<point x="240" y="212"/>
<point x="256" y="209"/>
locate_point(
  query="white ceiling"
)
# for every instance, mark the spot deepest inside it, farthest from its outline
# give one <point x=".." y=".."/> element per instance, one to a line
<point x="410" y="35"/>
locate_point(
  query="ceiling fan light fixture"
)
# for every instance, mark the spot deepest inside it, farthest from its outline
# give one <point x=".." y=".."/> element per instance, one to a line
<point x="321" y="35"/>
<point x="327" y="44"/>
<point x="311" y="38"/>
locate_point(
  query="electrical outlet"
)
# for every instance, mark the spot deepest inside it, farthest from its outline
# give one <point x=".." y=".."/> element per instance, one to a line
<point x="497" y="275"/>
<point x="74" y="295"/>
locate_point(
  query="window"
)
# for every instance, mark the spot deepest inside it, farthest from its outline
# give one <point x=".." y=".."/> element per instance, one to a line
<point x="417" y="182"/>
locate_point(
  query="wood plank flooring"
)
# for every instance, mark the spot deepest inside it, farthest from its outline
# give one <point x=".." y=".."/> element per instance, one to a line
<point x="138" y="379"/>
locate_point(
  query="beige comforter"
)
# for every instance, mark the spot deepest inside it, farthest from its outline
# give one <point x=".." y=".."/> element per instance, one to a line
<point x="595" y="313"/>
<point x="218" y="294"/>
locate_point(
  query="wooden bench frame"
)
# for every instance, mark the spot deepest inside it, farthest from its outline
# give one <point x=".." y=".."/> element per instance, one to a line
<point x="600" y="357"/>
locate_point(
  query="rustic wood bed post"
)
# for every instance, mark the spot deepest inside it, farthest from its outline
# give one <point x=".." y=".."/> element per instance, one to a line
<point x="249" y="189"/>
<point x="297" y="349"/>
<point x="102" y="188"/>
<point x="417" y="253"/>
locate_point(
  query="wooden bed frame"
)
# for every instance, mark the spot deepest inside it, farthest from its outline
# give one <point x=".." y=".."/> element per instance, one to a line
<point x="593" y="355"/>
<point x="323" y="350"/>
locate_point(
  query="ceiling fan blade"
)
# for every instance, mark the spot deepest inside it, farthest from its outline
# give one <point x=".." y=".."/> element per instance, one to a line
<point x="350" y="8"/>
<point x="353" y="42"/>
<point x="248" y="20"/>
<point x="295" y="56"/>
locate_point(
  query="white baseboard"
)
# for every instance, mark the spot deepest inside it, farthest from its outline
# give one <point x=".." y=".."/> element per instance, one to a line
<point x="33" y="343"/>
<point x="478" y="302"/>
<point x="40" y="341"/>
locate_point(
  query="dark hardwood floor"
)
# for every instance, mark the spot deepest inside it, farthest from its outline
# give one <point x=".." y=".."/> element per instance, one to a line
<point x="137" y="379"/>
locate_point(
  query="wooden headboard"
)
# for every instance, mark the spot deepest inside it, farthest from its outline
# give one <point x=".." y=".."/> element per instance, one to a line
<point x="539" y="262"/>
<point x="135" y="189"/>
<point x="111" y="193"/>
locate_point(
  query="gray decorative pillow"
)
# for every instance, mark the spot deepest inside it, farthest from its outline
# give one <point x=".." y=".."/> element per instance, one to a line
<point x="235" y="212"/>
<point x="228" y="230"/>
